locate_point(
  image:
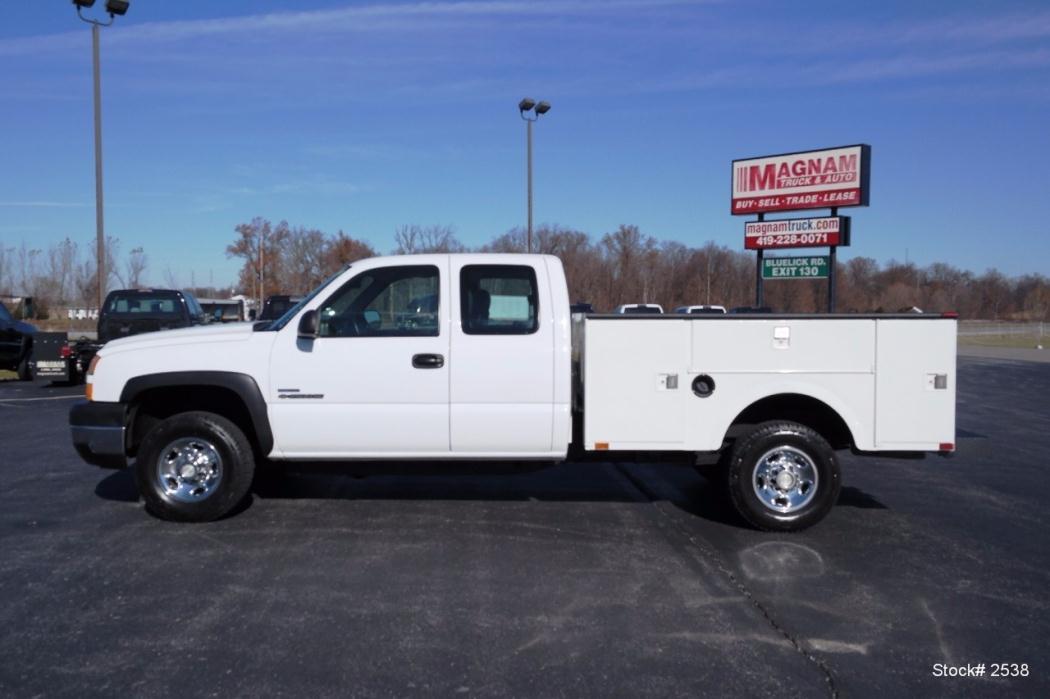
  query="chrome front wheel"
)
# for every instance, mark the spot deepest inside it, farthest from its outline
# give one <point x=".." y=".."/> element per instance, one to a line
<point x="194" y="467"/>
<point x="189" y="469"/>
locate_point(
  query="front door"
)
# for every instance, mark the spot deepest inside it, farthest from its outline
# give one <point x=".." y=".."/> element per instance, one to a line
<point x="375" y="380"/>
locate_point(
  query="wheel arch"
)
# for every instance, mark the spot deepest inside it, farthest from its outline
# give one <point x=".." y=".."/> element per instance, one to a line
<point x="796" y="407"/>
<point x="233" y="395"/>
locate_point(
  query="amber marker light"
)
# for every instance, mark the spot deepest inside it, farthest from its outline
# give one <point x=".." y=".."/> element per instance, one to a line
<point x="89" y="388"/>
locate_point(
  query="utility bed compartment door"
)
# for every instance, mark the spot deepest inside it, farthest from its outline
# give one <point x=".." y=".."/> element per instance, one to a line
<point x="782" y="345"/>
<point x="628" y="403"/>
<point x="915" y="384"/>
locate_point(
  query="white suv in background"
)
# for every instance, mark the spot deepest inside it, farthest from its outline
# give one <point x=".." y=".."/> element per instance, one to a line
<point x="700" y="309"/>
<point x="653" y="308"/>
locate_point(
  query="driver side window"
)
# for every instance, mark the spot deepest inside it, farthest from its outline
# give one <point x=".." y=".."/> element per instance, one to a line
<point x="384" y="302"/>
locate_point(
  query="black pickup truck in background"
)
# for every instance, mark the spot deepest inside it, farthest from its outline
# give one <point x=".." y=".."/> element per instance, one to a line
<point x="275" y="306"/>
<point x="16" y="344"/>
<point x="135" y="311"/>
<point x="125" y="312"/>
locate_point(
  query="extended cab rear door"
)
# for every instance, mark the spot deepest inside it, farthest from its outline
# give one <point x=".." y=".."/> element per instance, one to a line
<point x="502" y="356"/>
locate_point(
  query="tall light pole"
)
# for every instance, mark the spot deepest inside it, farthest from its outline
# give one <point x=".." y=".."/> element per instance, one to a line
<point x="524" y="107"/>
<point x="114" y="8"/>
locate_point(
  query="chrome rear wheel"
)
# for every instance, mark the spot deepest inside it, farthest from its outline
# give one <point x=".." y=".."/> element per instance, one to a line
<point x="785" y="479"/>
<point x="782" y="476"/>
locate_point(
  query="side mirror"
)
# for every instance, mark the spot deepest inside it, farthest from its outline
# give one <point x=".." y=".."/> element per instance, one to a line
<point x="308" y="325"/>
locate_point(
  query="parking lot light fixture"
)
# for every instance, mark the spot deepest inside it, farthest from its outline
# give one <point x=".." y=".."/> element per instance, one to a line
<point x="116" y="7"/>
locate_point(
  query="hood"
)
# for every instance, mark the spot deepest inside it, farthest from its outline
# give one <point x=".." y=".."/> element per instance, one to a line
<point x="218" y="332"/>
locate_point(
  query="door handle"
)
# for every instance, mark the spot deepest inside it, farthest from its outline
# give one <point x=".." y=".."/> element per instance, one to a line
<point x="428" y="361"/>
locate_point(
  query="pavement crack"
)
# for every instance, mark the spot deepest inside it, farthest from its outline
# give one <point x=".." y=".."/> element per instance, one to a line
<point x="713" y="557"/>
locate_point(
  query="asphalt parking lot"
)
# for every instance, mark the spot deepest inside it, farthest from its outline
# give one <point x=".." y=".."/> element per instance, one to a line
<point x="579" y="580"/>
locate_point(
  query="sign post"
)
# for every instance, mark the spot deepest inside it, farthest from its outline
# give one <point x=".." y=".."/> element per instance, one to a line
<point x="828" y="178"/>
<point x="833" y="257"/>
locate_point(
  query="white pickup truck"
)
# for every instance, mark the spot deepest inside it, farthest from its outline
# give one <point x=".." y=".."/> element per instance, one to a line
<point x="477" y="356"/>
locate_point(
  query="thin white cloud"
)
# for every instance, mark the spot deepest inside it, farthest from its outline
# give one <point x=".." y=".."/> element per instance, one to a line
<point x="44" y="204"/>
<point x="850" y="72"/>
<point x="981" y="29"/>
<point x="915" y="66"/>
<point x="390" y="16"/>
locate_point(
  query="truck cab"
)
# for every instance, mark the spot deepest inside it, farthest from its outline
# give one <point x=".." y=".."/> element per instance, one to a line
<point x="478" y="368"/>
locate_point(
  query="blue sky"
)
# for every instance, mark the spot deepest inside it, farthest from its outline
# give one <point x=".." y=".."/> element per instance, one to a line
<point x="364" y="116"/>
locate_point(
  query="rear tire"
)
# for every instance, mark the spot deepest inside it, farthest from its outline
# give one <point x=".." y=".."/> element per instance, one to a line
<point x="783" y="476"/>
<point x="194" y="467"/>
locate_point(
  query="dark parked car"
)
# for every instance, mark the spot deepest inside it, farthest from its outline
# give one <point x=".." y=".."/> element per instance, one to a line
<point x="16" y="344"/>
<point x="125" y="312"/>
<point x="275" y="306"/>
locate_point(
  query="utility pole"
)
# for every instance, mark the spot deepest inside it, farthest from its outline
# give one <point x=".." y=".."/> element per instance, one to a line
<point x="114" y="8"/>
<point x="708" y="302"/>
<point x="537" y="108"/>
<point x="262" y="269"/>
<point x="100" y="235"/>
<point x="528" y="130"/>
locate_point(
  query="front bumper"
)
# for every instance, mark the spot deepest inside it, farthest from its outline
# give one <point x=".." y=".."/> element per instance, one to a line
<point x="99" y="432"/>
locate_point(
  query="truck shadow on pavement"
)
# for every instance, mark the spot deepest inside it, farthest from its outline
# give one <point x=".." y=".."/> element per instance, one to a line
<point x="702" y="495"/>
<point x="626" y="483"/>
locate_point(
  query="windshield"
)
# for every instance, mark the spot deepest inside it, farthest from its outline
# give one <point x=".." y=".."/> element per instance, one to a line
<point x="290" y="313"/>
<point x="146" y="303"/>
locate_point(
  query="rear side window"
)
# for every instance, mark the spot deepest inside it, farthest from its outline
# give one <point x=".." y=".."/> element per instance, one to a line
<point x="498" y="300"/>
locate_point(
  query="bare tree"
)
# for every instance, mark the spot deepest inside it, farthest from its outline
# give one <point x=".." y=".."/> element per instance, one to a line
<point x="135" y="265"/>
<point x="627" y="265"/>
<point x="169" y="278"/>
<point x="6" y="280"/>
<point x="415" y="240"/>
<point x="304" y="253"/>
<point x="341" y="250"/>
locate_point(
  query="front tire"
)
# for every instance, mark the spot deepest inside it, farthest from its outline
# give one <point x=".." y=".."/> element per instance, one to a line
<point x="783" y="476"/>
<point x="194" y="467"/>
